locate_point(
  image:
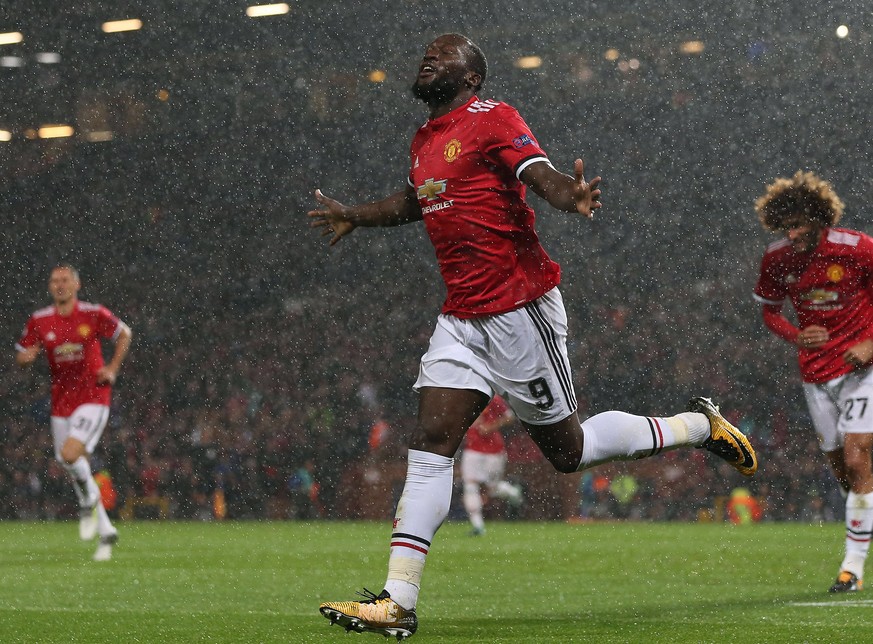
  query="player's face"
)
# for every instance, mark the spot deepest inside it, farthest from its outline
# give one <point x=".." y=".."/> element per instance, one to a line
<point x="442" y="72"/>
<point x="63" y="285"/>
<point x="803" y="233"/>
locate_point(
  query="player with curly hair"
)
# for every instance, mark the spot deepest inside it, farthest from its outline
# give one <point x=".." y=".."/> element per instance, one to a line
<point x="827" y="273"/>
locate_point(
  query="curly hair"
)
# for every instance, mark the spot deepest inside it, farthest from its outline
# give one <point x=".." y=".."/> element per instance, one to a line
<point x="803" y="194"/>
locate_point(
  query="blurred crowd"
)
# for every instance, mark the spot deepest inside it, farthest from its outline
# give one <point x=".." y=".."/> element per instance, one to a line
<point x="271" y="376"/>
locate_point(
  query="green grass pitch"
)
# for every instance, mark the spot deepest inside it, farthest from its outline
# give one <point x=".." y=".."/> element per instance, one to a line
<point x="521" y="582"/>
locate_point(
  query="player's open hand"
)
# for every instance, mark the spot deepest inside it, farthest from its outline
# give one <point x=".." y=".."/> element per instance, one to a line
<point x="332" y="219"/>
<point x="859" y="354"/>
<point x="585" y="194"/>
<point x="106" y="375"/>
<point x="812" y="337"/>
<point x="28" y="355"/>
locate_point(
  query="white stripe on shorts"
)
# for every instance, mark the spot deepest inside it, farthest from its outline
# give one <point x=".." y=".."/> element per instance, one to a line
<point x="558" y="360"/>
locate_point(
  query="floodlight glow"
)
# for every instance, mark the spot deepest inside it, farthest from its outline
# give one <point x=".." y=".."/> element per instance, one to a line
<point x="55" y="131"/>
<point x="10" y="38"/>
<point x="692" y="47"/>
<point x="99" y="136"/>
<point x="114" y="26"/>
<point x="377" y="76"/>
<point x="5" y="135"/>
<point x="11" y="61"/>
<point x="528" y="62"/>
<point x="48" y="57"/>
<point x="842" y="31"/>
<point x="260" y="10"/>
<point x="611" y="54"/>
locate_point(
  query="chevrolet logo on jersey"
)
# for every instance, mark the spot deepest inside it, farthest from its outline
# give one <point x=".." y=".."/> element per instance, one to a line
<point x="430" y="189"/>
<point x="821" y="296"/>
<point x="69" y="352"/>
<point x="68" y="348"/>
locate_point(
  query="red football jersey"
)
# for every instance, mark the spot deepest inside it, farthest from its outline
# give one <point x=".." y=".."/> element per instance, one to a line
<point x="72" y="346"/>
<point x="465" y="169"/>
<point x="832" y="286"/>
<point x="491" y="442"/>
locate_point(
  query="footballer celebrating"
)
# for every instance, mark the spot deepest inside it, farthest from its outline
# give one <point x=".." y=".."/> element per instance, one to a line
<point x="70" y="333"/>
<point x="827" y="274"/>
<point x="503" y="328"/>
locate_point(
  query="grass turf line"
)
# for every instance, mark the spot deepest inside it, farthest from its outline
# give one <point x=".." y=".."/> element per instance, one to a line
<point x="521" y="582"/>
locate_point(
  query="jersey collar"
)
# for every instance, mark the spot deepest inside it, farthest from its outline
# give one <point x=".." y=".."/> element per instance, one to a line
<point x="451" y="116"/>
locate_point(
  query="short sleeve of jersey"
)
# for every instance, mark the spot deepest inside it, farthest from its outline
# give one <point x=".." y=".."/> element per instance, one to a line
<point x="107" y="324"/>
<point x="866" y="246"/>
<point x="770" y="288"/>
<point x="508" y="141"/>
<point x="29" y="336"/>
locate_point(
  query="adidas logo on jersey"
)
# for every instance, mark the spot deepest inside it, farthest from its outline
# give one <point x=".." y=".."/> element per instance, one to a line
<point x="482" y="106"/>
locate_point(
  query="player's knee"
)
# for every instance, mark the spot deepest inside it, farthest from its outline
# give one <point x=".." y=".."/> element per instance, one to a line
<point x="435" y="439"/>
<point x="858" y="467"/>
<point x="565" y="463"/>
<point x="70" y="453"/>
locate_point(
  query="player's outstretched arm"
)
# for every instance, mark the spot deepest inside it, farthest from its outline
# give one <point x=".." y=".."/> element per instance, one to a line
<point x="570" y="194"/>
<point x="339" y="220"/>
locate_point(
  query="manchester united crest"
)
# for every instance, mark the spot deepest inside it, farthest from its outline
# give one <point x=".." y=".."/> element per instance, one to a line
<point x="835" y="272"/>
<point x="452" y="150"/>
<point x="84" y="330"/>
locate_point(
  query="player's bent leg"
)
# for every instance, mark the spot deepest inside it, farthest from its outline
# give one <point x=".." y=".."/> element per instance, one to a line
<point x="509" y="492"/>
<point x="614" y="436"/>
<point x="560" y="442"/>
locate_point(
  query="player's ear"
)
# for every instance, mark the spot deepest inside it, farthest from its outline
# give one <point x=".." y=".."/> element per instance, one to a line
<point x="473" y="79"/>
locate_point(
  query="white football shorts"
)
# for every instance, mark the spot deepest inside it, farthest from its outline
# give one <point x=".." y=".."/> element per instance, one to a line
<point x="520" y="355"/>
<point x="85" y="424"/>
<point x="840" y="406"/>
<point x="478" y="467"/>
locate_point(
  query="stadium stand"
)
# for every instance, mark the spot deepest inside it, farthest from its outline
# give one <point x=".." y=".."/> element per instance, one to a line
<point x="262" y="359"/>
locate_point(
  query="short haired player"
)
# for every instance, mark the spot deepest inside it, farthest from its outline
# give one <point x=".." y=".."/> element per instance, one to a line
<point x="70" y="332"/>
<point x="503" y="327"/>
<point x="827" y="274"/>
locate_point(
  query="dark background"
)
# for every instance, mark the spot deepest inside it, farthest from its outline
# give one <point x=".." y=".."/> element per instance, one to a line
<point x="259" y="352"/>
